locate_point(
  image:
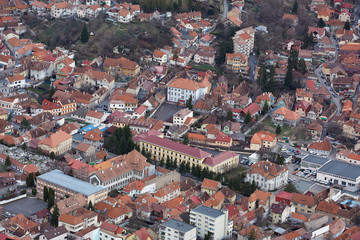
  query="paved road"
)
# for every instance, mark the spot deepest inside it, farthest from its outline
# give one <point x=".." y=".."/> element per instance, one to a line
<point x="226" y="9"/>
<point x="254" y="126"/>
<point x="252" y="65"/>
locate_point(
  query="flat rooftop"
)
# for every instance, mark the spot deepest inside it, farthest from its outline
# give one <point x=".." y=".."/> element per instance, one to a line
<point x="208" y="211"/>
<point x="177" y="225"/>
<point x="315" y="159"/>
<point x="342" y="169"/>
<point x="57" y="177"/>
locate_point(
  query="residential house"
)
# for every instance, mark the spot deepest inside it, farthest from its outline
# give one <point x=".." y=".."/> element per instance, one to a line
<point x="280" y="212"/>
<point x="121" y="67"/>
<point x="283" y="116"/>
<point x="303" y="203"/>
<point x="263" y="140"/>
<point x="82" y="219"/>
<point x="268" y="176"/>
<point x="181" y="116"/>
<point x="302" y="108"/>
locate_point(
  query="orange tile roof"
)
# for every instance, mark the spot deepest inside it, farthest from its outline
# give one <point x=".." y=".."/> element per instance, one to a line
<point x="263" y="136"/>
<point x="55" y="139"/>
<point x="325" y="146"/>
<point x="303" y="199"/>
<point x="267" y="169"/>
<point x="184" y="83"/>
<point x="210" y="184"/>
<point x="288" y="114"/>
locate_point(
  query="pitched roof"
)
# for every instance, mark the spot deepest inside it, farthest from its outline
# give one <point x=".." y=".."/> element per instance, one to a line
<point x="55" y="139"/>
<point x="210" y="184"/>
<point x="262" y="136"/>
<point x="288" y="114"/>
<point x="324" y="146"/>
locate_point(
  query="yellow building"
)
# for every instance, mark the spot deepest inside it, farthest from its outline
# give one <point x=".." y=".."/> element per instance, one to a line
<point x="210" y="186"/>
<point x="263" y="140"/>
<point x="3" y="113"/>
<point x="237" y="62"/>
<point x="59" y="143"/>
<point x="121" y="66"/>
<point x="141" y="234"/>
<point x="161" y="148"/>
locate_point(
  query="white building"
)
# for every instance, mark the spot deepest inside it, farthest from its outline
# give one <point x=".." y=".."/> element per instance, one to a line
<point x="267" y="175"/>
<point x="180" y="116"/>
<point x="174" y="229"/>
<point x="339" y="173"/>
<point x="16" y="81"/>
<point x="160" y="57"/>
<point x="244" y="41"/>
<point x="181" y="89"/>
<point x="207" y="219"/>
<point x="60" y="9"/>
<point x="95" y="117"/>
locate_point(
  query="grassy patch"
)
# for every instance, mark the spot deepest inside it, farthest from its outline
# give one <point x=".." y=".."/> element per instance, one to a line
<point x="235" y="172"/>
<point x="36" y="90"/>
<point x="267" y="125"/>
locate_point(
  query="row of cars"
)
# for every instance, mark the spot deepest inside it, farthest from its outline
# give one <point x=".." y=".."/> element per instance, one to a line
<point x="321" y="181"/>
<point x="305" y="173"/>
<point x="246" y="161"/>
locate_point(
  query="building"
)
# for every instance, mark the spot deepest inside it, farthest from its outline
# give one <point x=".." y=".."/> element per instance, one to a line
<point x="58" y="143"/>
<point x="313" y="162"/>
<point x="303" y="203"/>
<point x="339" y="173"/>
<point x="16" y="81"/>
<point x="160" y="57"/>
<point x="244" y="41"/>
<point x="174" y="229"/>
<point x="237" y="62"/>
<point x="280" y="212"/>
<point x="283" y="116"/>
<point x="111" y="231"/>
<point x="119" y="171"/>
<point x="180" y="116"/>
<point x="263" y="140"/>
<point x="161" y="148"/>
<point x="205" y="57"/>
<point x="320" y="148"/>
<point x="79" y="220"/>
<point x="207" y="219"/>
<point x="182" y="89"/>
<point x="121" y="67"/>
<point x="267" y="175"/>
<point x="66" y="185"/>
<point x="222" y="162"/>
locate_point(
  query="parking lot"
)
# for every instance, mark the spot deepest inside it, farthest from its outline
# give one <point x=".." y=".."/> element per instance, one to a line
<point x="25" y="206"/>
<point x="166" y="111"/>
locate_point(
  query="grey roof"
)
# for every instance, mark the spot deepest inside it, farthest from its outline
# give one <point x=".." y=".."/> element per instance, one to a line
<point x="303" y="186"/>
<point x="342" y="169"/>
<point x="55" y="232"/>
<point x="208" y="211"/>
<point x="59" y="178"/>
<point x="315" y="159"/>
<point x="177" y="225"/>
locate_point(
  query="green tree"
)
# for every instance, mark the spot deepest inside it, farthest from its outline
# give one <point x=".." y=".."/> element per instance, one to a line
<point x="347" y="25"/>
<point x="174" y="164"/>
<point x="182" y="167"/>
<point x="52" y="155"/>
<point x="186" y="139"/>
<point x="91" y="206"/>
<point x="258" y="51"/>
<point x="84" y="37"/>
<point x="52" y="91"/>
<point x="193" y="169"/>
<point x="289" y="78"/>
<point x="187" y="167"/>
<point x="168" y="163"/>
<point x="10" y="116"/>
<point x="120" y="49"/>
<point x="290" y="188"/>
<point x="180" y="3"/>
<point x="252" y="235"/>
<point x="51" y="199"/>
<point x="7" y="161"/>
<point x="24" y="146"/>
<point x="33" y="191"/>
<point x="39" y="151"/>
<point x="247" y="118"/>
<point x="302" y="66"/>
<point x="30" y="180"/>
<point x="280" y="160"/>
<point x="240" y="79"/>
<point x="266" y="108"/>
<point x="278" y="130"/>
<point x="295" y="7"/>
<point x="229" y="116"/>
<point x="162" y="162"/>
<point x="25" y="124"/>
<point x="189" y="103"/>
<point x="45" y="194"/>
<point x="321" y="23"/>
<point x="54" y="218"/>
<point x="190" y="5"/>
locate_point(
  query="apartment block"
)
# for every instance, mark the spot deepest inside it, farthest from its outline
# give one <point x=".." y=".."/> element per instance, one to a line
<point x="207" y="219"/>
<point x="174" y="229"/>
<point x="244" y="41"/>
